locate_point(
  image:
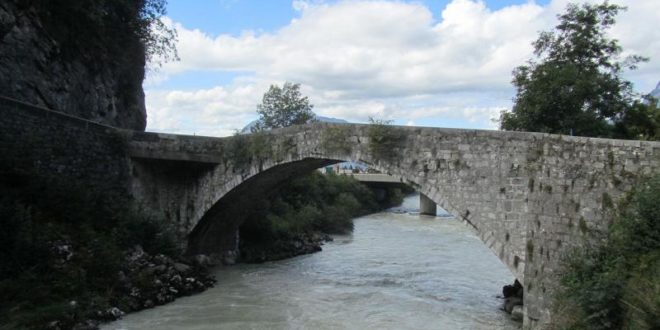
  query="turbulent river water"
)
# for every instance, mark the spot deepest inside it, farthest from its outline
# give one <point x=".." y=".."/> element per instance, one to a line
<point x="396" y="271"/>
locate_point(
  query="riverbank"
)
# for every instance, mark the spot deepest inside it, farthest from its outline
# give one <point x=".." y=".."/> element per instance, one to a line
<point x="298" y="244"/>
<point x="395" y="271"/>
<point x="145" y="281"/>
<point x="71" y="257"/>
<point x="300" y="216"/>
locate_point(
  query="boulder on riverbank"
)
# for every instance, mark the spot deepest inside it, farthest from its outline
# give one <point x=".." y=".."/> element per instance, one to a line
<point x="150" y="280"/>
<point x="147" y="281"/>
<point x="513" y="300"/>
<point x="515" y="290"/>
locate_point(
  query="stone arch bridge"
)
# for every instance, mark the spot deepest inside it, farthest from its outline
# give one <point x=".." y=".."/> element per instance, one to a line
<point x="528" y="196"/>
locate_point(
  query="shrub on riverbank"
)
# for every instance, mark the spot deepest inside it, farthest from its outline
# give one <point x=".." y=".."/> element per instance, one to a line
<point x="615" y="284"/>
<point x="68" y="255"/>
<point x="297" y="217"/>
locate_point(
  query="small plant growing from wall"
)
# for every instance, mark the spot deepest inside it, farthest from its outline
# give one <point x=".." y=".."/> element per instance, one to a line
<point x="243" y="149"/>
<point x="335" y="139"/>
<point x="237" y="150"/>
<point x="384" y="139"/>
<point x="259" y="146"/>
<point x="282" y="149"/>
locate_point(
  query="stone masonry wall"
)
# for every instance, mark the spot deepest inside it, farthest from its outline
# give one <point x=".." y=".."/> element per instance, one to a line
<point x="528" y="196"/>
<point x="57" y="144"/>
<point x="575" y="190"/>
<point x="472" y="174"/>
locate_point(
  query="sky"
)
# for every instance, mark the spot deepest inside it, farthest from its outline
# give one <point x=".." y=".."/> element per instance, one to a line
<point x="442" y="63"/>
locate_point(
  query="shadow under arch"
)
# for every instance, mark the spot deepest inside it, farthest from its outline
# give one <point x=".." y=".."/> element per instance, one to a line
<point x="217" y="229"/>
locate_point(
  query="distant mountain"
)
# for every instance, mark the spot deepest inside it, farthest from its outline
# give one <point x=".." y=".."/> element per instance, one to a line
<point x="248" y="127"/>
<point x="656" y="92"/>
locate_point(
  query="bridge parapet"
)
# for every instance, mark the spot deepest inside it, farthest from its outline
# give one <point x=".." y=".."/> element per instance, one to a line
<point x="149" y="145"/>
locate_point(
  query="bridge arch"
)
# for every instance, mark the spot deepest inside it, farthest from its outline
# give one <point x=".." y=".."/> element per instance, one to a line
<point x="532" y="195"/>
<point x="454" y="168"/>
<point x="215" y="229"/>
<point x="529" y="196"/>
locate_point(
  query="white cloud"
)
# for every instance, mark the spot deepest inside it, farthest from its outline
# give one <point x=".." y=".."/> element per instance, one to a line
<point x="218" y="111"/>
<point x="385" y="59"/>
<point x="367" y="48"/>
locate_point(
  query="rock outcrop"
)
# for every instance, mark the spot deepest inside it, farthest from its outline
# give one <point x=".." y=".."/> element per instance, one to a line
<point x="49" y="57"/>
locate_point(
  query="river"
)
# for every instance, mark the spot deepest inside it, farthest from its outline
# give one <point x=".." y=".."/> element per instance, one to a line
<point x="396" y="271"/>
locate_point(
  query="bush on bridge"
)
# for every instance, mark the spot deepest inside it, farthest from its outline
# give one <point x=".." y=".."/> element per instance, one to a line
<point x="384" y="139"/>
<point x="251" y="149"/>
<point x="335" y="139"/>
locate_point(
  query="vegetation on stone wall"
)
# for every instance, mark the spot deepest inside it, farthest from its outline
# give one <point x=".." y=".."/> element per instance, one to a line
<point x="248" y="149"/>
<point x="614" y="283"/>
<point x="335" y="139"/>
<point x="384" y="139"/>
<point x="69" y="255"/>
<point x="261" y="147"/>
<point x="295" y="218"/>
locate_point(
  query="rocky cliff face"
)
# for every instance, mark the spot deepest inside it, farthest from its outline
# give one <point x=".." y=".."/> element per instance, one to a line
<point x="46" y="61"/>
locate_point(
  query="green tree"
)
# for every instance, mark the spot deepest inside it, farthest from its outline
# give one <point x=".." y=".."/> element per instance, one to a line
<point x="641" y="121"/>
<point x="108" y="27"/>
<point x="576" y="87"/>
<point x="159" y="39"/>
<point x="282" y="107"/>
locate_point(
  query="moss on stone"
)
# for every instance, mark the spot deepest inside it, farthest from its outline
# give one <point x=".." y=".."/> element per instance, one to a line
<point x="385" y="140"/>
<point x="335" y="139"/>
<point x="582" y="225"/>
<point x="607" y="201"/>
<point x="530" y="250"/>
